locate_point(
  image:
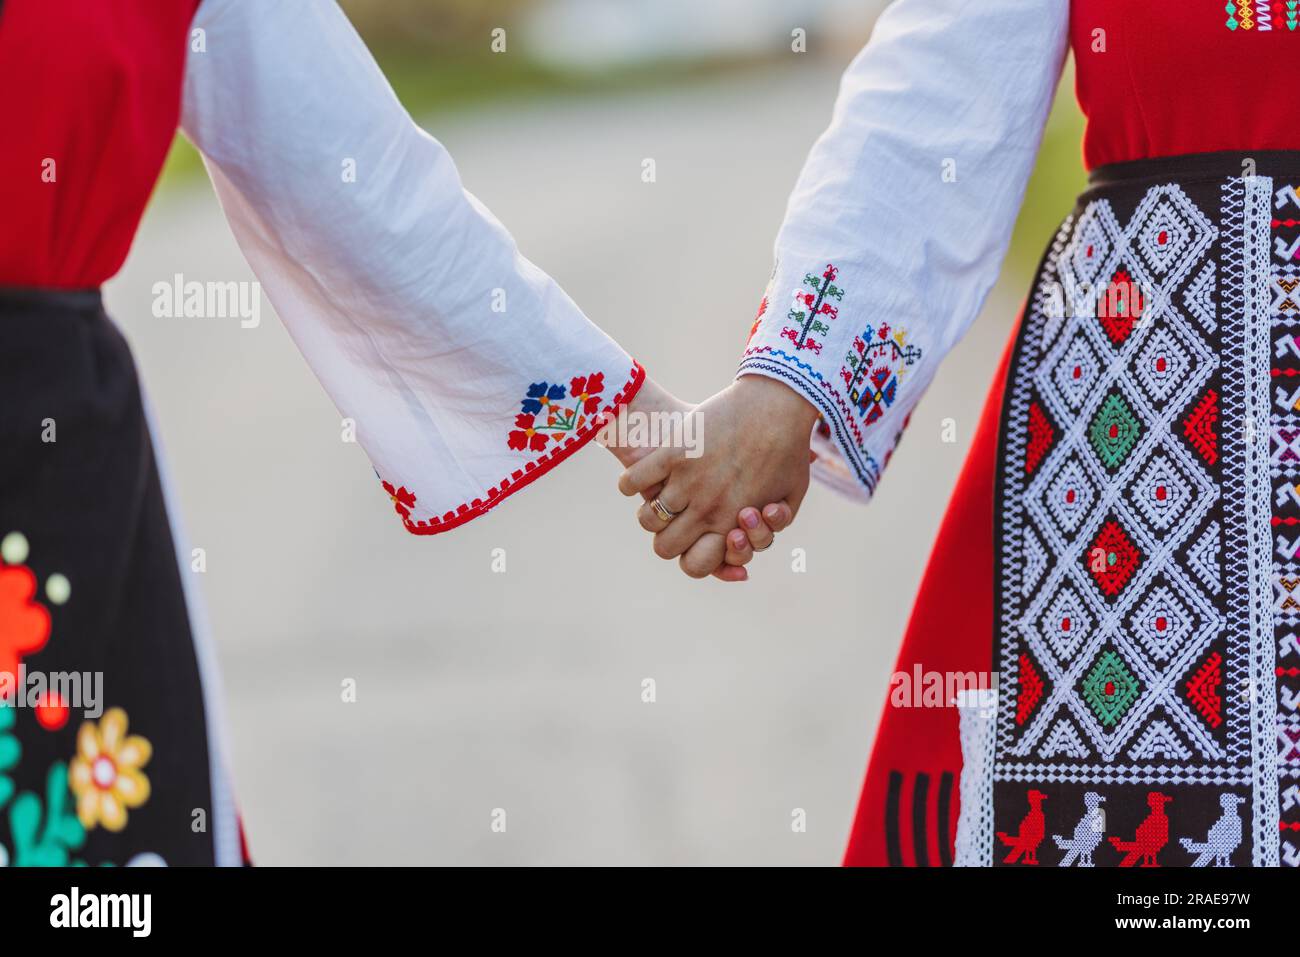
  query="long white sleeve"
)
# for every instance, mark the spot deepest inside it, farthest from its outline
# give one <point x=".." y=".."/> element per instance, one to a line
<point x="467" y="370"/>
<point x="900" y="220"/>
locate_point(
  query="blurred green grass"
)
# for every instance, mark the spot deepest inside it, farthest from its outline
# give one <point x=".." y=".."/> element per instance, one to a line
<point x="1058" y="178"/>
<point x="432" y="83"/>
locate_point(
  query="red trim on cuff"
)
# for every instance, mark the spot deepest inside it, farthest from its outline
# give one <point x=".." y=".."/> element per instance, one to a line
<point x="533" y="470"/>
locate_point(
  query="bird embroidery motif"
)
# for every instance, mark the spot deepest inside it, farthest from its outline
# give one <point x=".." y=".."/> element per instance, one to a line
<point x="1152" y="834"/>
<point x="1087" y="833"/>
<point x="1024" y="843"/>
<point x="1224" y="836"/>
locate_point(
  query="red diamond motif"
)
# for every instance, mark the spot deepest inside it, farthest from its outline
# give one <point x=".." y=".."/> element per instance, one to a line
<point x="1198" y="427"/>
<point x="1030" y="690"/>
<point x="1113" y="559"/>
<point x="1120" y="307"/>
<point x="1041" y="437"/>
<point x="1203" y="690"/>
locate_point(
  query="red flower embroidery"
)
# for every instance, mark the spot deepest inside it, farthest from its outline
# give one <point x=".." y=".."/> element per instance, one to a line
<point x="24" y="625"/>
<point x="758" y="318"/>
<point x="542" y="415"/>
<point x="586" y="390"/>
<point x="526" y="435"/>
<point x="403" y="500"/>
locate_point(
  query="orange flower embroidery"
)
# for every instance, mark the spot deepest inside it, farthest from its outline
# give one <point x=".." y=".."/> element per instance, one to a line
<point x="105" y="775"/>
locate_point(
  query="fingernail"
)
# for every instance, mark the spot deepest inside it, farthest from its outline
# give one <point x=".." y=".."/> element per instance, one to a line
<point x="773" y="512"/>
<point x="738" y="540"/>
<point x="749" y="517"/>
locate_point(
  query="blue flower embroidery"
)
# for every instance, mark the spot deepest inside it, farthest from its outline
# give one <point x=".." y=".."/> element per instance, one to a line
<point x="539" y="394"/>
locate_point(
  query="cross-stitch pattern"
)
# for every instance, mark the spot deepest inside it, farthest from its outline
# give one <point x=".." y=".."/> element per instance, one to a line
<point x="1284" y="459"/>
<point x="873" y="376"/>
<point x="1262" y="16"/>
<point x="1133" y="577"/>
<point x="813" y="310"/>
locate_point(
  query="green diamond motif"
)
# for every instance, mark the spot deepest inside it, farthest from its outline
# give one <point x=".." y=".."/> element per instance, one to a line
<point x="1114" y="431"/>
<point x="1109" y="688"/>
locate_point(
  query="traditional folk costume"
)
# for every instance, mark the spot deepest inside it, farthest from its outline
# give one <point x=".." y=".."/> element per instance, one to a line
<point x="468" y="372"/>
<point x="1121" y="546"/>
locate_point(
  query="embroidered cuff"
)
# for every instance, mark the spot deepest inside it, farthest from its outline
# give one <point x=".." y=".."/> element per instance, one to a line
<point x="538" y="431"/>
<point x="857" y="373"/>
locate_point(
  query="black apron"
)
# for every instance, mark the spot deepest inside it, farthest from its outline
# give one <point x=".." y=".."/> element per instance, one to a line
<point x="89" y="561"/>
<point x="1148" y="500"/>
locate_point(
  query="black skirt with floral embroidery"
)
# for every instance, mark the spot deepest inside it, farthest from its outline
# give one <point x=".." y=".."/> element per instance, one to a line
<point x="104" y="747"/>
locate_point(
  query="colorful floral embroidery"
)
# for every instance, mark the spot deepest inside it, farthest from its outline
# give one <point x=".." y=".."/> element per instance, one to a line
<point x="811" y="310"/>
<point x="46" y="839"/>
<point x="105" y="775"/>
<point x="874" y="369"/>
<point x="24" y="624"/>
<point x="403" y="500"/>
<point x="547" y="415"/>
<point x="870" y="380"/>
<point x="553" y="422"/>
<point x="43" y="836"/>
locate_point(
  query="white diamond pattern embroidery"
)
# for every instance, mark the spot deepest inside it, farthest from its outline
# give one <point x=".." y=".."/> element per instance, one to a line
<point x="1035" y="558"/>
<point x="1163" y="624"/>
<point x="1168" y="239"/>
<point x="1203" y="558"/>
<point x="1069" y="497"/>
<point x="1089" y="253"/>
<point x="1159" y="743"/>
<point x="1157" y="494"/>
<point x="1066" y="624"/>
<point x="1161" y="493"/>
<point x="1198" y="298"/>
<point x="1076" y="374"/>
<point x="1148" y="488"/>
<point x="1161" y="365"/>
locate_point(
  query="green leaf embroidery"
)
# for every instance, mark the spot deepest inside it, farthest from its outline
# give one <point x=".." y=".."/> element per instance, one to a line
<point x="10" y="752"/>
<point x="48" y="843"/>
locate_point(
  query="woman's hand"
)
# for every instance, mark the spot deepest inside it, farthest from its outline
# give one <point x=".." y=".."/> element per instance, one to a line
<point x="754" y="441"/>
<point x="724" y="556"/>
<point x="754" y="532"/>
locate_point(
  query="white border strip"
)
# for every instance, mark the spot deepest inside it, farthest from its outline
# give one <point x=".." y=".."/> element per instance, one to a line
<point x="224" y="819"/>
<point x="1259" y="533"/>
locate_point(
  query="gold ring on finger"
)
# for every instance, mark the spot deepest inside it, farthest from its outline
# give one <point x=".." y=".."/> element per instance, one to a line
<point x="665" y="513"/>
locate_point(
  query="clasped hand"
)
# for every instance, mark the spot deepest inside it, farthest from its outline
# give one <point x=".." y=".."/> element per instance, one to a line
<point x="703" y="505"/>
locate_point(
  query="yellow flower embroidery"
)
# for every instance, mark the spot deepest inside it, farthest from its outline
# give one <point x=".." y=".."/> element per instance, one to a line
<point x="105" y="775"/>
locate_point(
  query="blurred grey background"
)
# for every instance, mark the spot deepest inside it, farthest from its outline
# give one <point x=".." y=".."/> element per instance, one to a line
<point x="522" y="690"/>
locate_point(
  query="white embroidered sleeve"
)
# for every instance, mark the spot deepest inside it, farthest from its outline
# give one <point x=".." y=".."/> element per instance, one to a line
<point x="467" y="370"/>
<point x="897" y="227"/>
